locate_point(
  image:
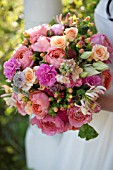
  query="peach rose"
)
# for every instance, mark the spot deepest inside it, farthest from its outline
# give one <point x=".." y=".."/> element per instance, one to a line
<point x="28" y="108"/>
<point x="99" y="52"/>
<point x="40" y="104"/>
<point x="58" y="41"/>
<point x="71" y="33"/>
<point x="29" y="78"/>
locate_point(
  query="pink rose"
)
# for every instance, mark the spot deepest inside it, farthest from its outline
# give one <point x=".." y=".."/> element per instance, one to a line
<point x="19" y="104"/>
<point x="49" y="125"/>
<point x="40" y="104"/>
<point x="55" y="57"/>
<point x="77" y="118"/>
<point x="42" y="44"/>
<point x="36" y="32"/>
<point x="102" y="40"/>
<point x="24" y="56"/>
<point x="57" y="29"/>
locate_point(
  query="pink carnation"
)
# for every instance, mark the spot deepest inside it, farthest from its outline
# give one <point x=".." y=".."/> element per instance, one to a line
<point x="92" y="80"/>
<point x="24" y="56"/>
<point x="55" y="57"/>
<point x="36" y="32"/>
<point x="40" y="104"/>
<point x="42" y="44"/>
<point x="102" y="40"/>
<point x="57" y="29"/>
<point x="46" y="75"/>
<point x="49" y="125"/>
<point x="10" y="67"/>
<point x="77" y="118"/>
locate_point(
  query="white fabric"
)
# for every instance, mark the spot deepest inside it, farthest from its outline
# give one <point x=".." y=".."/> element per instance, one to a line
<point x="67" y="151"/>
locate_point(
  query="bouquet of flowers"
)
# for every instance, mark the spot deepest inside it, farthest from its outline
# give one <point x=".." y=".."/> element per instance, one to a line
<point x="58" y="73"/>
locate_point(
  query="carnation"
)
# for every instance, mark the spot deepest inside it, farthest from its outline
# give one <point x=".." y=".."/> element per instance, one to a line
<point x="92" y="80"/>
<point x="46" y="75"/>
<point x="10" y="67"/>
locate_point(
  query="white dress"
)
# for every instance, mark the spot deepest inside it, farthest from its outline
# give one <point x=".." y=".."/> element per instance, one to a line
<point x="67" y="151"/>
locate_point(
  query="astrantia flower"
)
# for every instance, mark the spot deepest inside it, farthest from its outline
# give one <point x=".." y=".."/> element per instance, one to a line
<point x="46" y="75"/>
<point x="92" y="80"/>
<point x="10" y="67"/>
<point x="19" y="79"/>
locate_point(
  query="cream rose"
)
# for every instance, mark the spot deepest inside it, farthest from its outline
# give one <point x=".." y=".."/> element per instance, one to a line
<point x="99" y="52"/>
<point x="29" y="78"/>
<point x="71" y="33"/>
<point x="58" y="41"/>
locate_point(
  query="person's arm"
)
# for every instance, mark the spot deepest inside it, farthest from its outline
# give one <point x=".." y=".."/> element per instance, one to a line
<point x="106" y="100"/>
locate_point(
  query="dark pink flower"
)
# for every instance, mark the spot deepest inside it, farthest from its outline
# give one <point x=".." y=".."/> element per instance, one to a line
<point x="92" y="80"/>
<point x="10" y="67"/>
<point x="46" y="75"/>
<point x="77" y="118"/>
<point x="24" y="56"/>
<point x="49" y="125"/>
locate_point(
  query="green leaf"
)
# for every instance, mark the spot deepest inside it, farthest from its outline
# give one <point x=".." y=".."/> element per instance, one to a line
<point x="80" y="92"/>
<point x="88" y="132"/>
<point x="91" y="71"/>
<point x="99" y="65"/>
<point x="86" y="54"/>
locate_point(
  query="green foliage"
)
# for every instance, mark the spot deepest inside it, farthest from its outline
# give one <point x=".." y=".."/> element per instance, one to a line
<point x="87" y="132"/>
<point x="12" y="125"/>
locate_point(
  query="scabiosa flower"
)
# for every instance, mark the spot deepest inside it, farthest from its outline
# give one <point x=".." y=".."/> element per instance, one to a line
<point x="10" y="67"/>
<point x="19" y="79"/>
<point x="46" y="75"/>
<point x="92" y="80"/>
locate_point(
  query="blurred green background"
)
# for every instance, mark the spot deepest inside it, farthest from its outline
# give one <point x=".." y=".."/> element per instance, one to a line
<point x="12" y="125"/>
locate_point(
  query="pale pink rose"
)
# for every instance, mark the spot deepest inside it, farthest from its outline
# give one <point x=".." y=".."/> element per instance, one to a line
<point x="99" y="52"/>
<point x="19" y="104"/>
<point x="40" y="104"/>
<point x="102" y="39"/>
<point x="77" y="118"/>
<point x="57" y="29"/>
<point x="55" y="57"/>
<point x="71" y="33"/>
<point x="49" y="125"/>
<point x="72" y="84"/>
<point x="24" y="56"/>
<point x="36" y="32"/>
<point x="59" y="42"/>
<point x="42" y="44"/>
